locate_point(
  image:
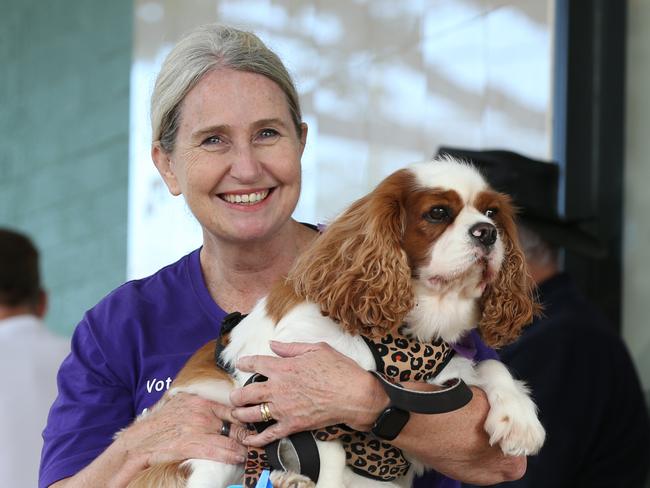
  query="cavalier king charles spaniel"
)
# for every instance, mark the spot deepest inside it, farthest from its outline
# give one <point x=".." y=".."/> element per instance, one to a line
<point x="432" y="248"/>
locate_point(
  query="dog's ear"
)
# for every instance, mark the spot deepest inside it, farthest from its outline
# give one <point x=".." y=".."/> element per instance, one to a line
<point x="357" y="270"/>
<point x="509" y="303"/>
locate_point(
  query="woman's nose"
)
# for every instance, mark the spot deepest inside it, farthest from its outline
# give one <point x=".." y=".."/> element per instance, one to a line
<point x="245" y="166"/>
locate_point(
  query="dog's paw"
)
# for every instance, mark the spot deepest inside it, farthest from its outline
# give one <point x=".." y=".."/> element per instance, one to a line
<point x="287" y="479"/>
<point x="513" y="424"/>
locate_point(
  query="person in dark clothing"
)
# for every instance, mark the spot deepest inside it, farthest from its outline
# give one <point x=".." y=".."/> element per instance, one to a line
<point x="580" y="372"/>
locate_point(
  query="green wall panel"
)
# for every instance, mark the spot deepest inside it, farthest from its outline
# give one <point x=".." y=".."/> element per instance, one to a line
<point x="64" y="115"/>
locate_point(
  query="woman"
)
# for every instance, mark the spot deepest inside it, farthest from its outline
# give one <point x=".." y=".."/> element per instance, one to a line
<point x="228" y="136"/>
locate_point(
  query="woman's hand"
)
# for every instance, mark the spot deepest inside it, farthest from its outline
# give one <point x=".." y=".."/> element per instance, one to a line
<point x="183" y="427"/>
<point x="309" y="386"/>
<point x="177" y="428"/>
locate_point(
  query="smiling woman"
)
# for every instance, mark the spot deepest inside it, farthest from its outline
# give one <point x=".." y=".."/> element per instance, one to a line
<point x="220" y="157"/>
<point x="228" y="137"/>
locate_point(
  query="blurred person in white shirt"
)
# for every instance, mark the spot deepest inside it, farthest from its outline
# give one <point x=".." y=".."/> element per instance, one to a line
<point x="30" y="356"/>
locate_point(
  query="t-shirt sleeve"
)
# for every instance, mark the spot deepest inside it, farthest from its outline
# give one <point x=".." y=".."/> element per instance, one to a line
<point x="91" y="406"/>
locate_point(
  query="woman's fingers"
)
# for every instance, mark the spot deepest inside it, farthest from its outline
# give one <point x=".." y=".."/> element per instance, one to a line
<point x="268" y="435"/>
<point x="255" y="413"/>
<point x="252" y="394"/>
<point x="213" y="447"/>
<point x="186" y="426"/>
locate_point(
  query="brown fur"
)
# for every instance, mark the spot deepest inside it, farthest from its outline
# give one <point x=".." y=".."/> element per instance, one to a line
<point x="169" y="475"/>
<point x="508" y="303"/>
<point x="281" y="299"/>
<point x="360" y="271"/>
<point x="201" y="365"/>
<point x="357" y="271"/>
<point x="420" y="234"/>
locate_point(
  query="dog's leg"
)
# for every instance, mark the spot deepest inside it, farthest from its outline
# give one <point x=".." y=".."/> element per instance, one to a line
<point x="208" y="474"/>
<point x="288" y="479"/>
<point x="512" y="420"/>
<point x="332" y="467"/>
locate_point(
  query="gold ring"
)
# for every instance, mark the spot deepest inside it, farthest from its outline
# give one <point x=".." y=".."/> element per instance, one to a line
<point x="266" y="413"/>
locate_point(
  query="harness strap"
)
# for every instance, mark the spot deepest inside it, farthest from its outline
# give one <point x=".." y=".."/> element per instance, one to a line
<point x="228" y="323"/>
<point x="305" y="459"/>
<point x="302" y="446"/>
<point x="305" y="455"/>
<point x="456" y="395"/>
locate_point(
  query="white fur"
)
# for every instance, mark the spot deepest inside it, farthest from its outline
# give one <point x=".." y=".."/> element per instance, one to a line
<point x="449" y="173"/>
<point x="446" y="294"/>
<point x="217" y="391"/>
<point x="512" y="421"/>
<point x="209" y="474"/>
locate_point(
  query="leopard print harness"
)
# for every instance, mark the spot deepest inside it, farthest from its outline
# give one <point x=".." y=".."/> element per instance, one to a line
<point x="398" y="359"/>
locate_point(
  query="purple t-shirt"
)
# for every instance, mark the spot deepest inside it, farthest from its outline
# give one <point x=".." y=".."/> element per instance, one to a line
<point x="125" y="353"/>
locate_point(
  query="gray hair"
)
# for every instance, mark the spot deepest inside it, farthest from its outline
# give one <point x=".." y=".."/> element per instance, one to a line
<point x="205" y="49"/>
<point x="535" y="248"/>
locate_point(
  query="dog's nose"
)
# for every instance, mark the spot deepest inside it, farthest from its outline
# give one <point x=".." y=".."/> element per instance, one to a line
<point x="484" y="232"/>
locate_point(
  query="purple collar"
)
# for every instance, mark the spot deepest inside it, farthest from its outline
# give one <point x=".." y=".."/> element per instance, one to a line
<point x="466" y="346"/>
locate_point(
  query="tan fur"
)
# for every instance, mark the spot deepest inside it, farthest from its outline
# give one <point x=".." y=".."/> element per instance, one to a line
<point x="509" y="303"/>
<point x="357" y="270"/>
<point x="201" y="366"/>
<point x="281" y="299"/>
<point x="360" y="274"/>
<point x="169" y="475"/>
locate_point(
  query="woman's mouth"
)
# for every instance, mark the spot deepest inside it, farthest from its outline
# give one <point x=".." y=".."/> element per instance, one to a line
<point x="245" y="198"/>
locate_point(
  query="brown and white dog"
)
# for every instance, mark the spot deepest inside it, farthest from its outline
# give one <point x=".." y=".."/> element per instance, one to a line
<point x="432" y="247"/>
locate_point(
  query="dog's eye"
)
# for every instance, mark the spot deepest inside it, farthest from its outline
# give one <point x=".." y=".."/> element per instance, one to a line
<point x="491" y="212"/>
<point x="437" y="214"/>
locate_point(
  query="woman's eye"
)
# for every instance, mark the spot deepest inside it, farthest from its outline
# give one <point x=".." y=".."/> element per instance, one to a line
<point x="268" y="133"/>
<point x="437" y="214"/>
<point x="491" y="212"/>
<point x="212" y="140"/>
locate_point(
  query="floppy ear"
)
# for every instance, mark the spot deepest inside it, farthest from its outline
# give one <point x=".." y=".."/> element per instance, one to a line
<point x="357" y="270"/>
<point x="509" y="303"/>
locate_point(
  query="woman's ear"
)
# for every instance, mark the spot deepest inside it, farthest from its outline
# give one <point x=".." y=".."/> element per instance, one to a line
<point x="303" y="136"/>
<point x="162" y="160"/>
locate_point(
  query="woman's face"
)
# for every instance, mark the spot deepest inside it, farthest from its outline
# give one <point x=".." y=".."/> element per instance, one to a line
<point x="236" y="157"/>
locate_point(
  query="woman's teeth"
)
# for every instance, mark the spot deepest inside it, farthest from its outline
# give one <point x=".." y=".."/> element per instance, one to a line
<point x="245" y="198"/>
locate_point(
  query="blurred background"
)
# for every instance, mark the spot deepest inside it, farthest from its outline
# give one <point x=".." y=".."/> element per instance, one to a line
<point x="383" y="83"/>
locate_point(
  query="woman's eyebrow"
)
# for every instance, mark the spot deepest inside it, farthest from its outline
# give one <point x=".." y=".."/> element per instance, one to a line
<point x="200" y="133"/>
<point x="271" y="121"/>
<point x="211" y="129"/>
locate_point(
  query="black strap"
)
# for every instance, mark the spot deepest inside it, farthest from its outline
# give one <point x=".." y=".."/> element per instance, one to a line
<point x="305" y="451"/>
<point x="228" y="323"/>
<point x="456" y="395"/>
<point x="303" y="444"/>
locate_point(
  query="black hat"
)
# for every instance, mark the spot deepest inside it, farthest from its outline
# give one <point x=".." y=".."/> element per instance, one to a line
<point x="533" y="186"/>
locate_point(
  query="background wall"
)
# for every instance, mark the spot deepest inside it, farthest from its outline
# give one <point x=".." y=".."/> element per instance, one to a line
<point x="64" y="98"/>
<point x="636" y="265"/>
<point x="381" y="86"/>
<point x="383" y="83"/>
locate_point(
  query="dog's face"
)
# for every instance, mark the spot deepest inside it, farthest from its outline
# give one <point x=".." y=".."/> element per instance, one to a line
<point x="454" y="234"/>
<point x="434" y="245"/>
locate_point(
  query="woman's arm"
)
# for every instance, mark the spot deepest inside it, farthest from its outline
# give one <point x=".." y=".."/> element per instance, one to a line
<point x="185" y="426"/>
<point x="312" y="386"/>
<point x="456" y="445"/>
